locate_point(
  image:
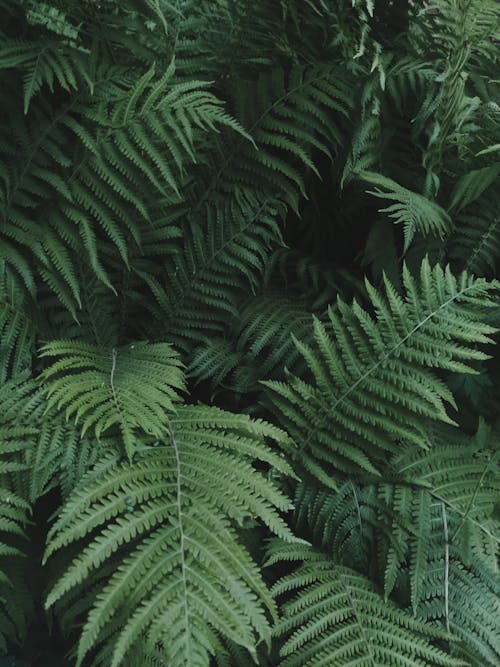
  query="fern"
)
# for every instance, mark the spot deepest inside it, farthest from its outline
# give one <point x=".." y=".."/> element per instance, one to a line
<point x="447" y="583"/>
<point x="14" y="512"/>
<point x="258" y="342"/>
<point x="470" y="187"/>
<point x="112" y="148"/>
<point x="189" y="212"/>
<point x="336" y="615"/>
<point x="16" y="327"/>
<point x="294" y="120"/>
<point x="431" y="520"/>
<point x="479" y="236"/>
<point x="415" y="212"/>
<point x="133" y="388"/>
<point x="213" y="266"/>
<point x="46" y="64"/>
<point x="178" y="502"/>
<point x="370" y="366"/>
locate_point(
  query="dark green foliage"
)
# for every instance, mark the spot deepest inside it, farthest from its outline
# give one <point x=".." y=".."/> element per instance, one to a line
<point x="337" y="617"/>
<point x="373" y="391"/>
<point x="248" y="263"/>
<point x="167" y="520"/>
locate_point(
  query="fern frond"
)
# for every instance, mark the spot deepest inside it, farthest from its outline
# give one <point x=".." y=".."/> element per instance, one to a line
<point x="429" y="525"/>
<point x="14" y="512"/>
<point x="372" y="384"/>
<point x="415" y="212"/>
<point x="104" y="166"/>
<point x="287" y="119"/>
<point x="337" y="617"/>
<point x="258" y="343"/>
<point x="472" y="185"/>
<point x="476" y="241"/>
<point x="214" y="264"/>
<point x="466" y="599"/>
<point x="17" y="608"/>
<point x="40" y="451"/>
<point x="185" y="577"/>
<point x="46" y="63"/>
<point x="133" y="388"/>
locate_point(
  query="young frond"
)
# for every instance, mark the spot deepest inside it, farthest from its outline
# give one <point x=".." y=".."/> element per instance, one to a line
<point x="336" y="617"/>
<point x="134" y="388"/>
<point x="373" y="385"/>
<point x="180" y="577"/>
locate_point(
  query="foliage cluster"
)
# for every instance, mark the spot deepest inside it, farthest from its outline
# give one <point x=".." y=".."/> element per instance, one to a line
<point x="248" y="312"/>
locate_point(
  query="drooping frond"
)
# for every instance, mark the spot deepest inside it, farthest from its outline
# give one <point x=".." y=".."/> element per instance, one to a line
<point x="336" y="617"/>
<point x="415" y="212"/>
<point x="133" y="387"/>
<point x="180" y="577"/>
<point x="46" y="63"/>
<point x="287" y="118"/>
<point x="373" y="383"/>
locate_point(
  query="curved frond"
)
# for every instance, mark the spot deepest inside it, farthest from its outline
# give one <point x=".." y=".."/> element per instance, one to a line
<point x="416" y="213"/>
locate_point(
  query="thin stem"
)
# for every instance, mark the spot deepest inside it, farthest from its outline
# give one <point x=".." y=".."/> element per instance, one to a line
<point x="114" y="355"/>
<point x="181" y="541"/>
<point x="446" y="568"/>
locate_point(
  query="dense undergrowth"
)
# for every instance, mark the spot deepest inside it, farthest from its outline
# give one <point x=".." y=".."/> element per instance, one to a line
<point x="249" y="405"/>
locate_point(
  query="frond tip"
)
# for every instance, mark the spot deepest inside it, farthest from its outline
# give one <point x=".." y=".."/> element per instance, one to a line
<point x="134" y="387"/>
<point x="415" y="212"/>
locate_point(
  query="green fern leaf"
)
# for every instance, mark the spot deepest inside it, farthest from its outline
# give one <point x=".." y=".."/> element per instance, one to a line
<point x="336" y="617"/>
<point x="134" y="388"/>
<point x="184" y="578"/>
<point x="415" y="212"/>
<point x="372" y="386"/>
